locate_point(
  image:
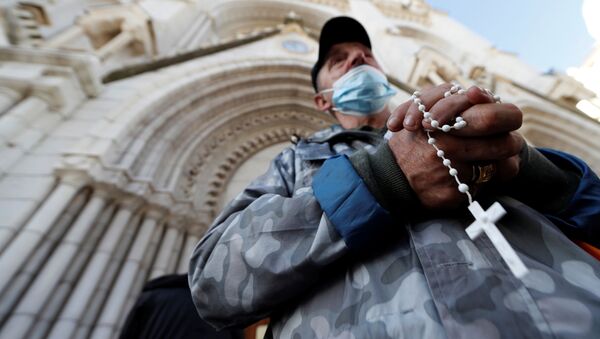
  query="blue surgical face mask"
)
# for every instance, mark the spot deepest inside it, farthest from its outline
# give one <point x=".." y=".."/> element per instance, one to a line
<point x="362" y="91"/>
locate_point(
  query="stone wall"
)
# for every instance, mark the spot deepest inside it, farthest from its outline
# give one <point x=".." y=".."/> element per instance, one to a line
<point x="105" y="183"/>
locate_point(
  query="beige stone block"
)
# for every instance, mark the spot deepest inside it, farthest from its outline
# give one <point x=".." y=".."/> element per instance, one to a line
<point x="9" y="156"/>
<point x="25" y="187"/>
<point x="47" y="122"/>
<point x="81" y="145"/>
<point x="92" y="115"/>
<point x="92" y="146"/>
<point x="72" y="129"/>
<point x="35" y="165"/>
<point x="94" y="110"/>
<point x="116" y="113"/>
<point x="13" y="212"/>
<point x="11" y="126"/>
<point x="30" y="109"/>
<point x="119" y="92"/>
<point x="54" y="146"/>
<point x="28" y="138"/>
<point x="107" y="130"/>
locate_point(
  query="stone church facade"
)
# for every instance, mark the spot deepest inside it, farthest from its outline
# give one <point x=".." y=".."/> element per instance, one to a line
<point x="126" y="125"/>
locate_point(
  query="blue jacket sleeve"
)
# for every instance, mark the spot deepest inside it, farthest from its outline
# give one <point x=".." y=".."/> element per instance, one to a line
<point x="348" y="203"/>
<point x="581" y="217"/>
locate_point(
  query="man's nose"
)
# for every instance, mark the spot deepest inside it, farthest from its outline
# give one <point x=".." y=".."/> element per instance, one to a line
<point x="358" y="59"/>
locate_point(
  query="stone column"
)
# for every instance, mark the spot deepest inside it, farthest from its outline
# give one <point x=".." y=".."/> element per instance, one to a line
<point x="25" y="242"/>
<point x="113" y="310"/>
<point x="184" y="258"/>
<point x="175" y="254"/>
<point x="192" y="238"/>
<point x="8" y="98"/>
<point x="141" y="278"/>
<point x="69" y="279"/>
<point x="163" y="258"/>
<point x="38" y="294"/>
<point x="75" y="308"/>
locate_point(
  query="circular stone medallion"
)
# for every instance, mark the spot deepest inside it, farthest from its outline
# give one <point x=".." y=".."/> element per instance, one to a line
<point x="296" y="46"/>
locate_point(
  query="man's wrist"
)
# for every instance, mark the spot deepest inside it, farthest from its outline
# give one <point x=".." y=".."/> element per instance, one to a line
<point x="541" y="184"/>
<point x="384" y="178"/>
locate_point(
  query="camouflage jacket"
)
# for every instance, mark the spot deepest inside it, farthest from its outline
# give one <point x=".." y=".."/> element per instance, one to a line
<point x="280" y="250"/>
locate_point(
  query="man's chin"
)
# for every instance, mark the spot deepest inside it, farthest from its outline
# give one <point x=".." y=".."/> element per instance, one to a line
<point x="378" y="120"/>
<point x="351" y="121"/>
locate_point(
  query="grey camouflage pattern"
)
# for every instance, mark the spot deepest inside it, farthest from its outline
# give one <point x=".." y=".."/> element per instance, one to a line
<point x="273" y="252"/>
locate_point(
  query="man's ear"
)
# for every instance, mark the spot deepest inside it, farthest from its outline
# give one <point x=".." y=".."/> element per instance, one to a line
<point x="322" y="103"/>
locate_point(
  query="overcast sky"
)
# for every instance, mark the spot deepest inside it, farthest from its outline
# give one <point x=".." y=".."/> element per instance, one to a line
<point x="545" y="33"/>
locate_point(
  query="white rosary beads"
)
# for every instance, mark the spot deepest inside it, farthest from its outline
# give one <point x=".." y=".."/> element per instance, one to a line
<point x="484" y="220"/>
<point x="458" y="124"/>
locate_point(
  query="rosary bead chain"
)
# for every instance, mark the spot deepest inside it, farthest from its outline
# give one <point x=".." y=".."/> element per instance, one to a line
<point x="459" y="122"/>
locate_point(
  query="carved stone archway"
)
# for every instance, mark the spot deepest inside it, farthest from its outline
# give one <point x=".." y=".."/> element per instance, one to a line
<point x="215" y="160"/>
<point x="133" y="210"/>
<point x="190" y="140"/>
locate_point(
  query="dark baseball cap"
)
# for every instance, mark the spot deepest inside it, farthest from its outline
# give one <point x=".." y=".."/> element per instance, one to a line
<point x="338" y="30"/>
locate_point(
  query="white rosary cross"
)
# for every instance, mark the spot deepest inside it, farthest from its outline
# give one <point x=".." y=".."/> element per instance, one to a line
<point x="485" y="222"/>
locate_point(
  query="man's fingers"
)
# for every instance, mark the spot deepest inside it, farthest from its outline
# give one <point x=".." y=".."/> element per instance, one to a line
<point x="396" y="119"/>
<point x="427" y="176"/>
<point x="490" y="119"/>
<point x="446" y="109"/>
<point x="483" y="116"/>
<point x="491" y="148"/>
<point x="413" y="118"/>
<point x="476" y="95"/>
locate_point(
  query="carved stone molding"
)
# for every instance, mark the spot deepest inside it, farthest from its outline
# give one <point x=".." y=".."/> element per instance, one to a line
<point x="85" y="68"/>
<point x="241" y="17"/>
<point x="408" y="10"/>
<point x="111" y="29"/>
<point x="431" y="68"/>
<point x="24" y="22"/>
<point x="341" y="5"/>
<point x="215" y="160"/>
